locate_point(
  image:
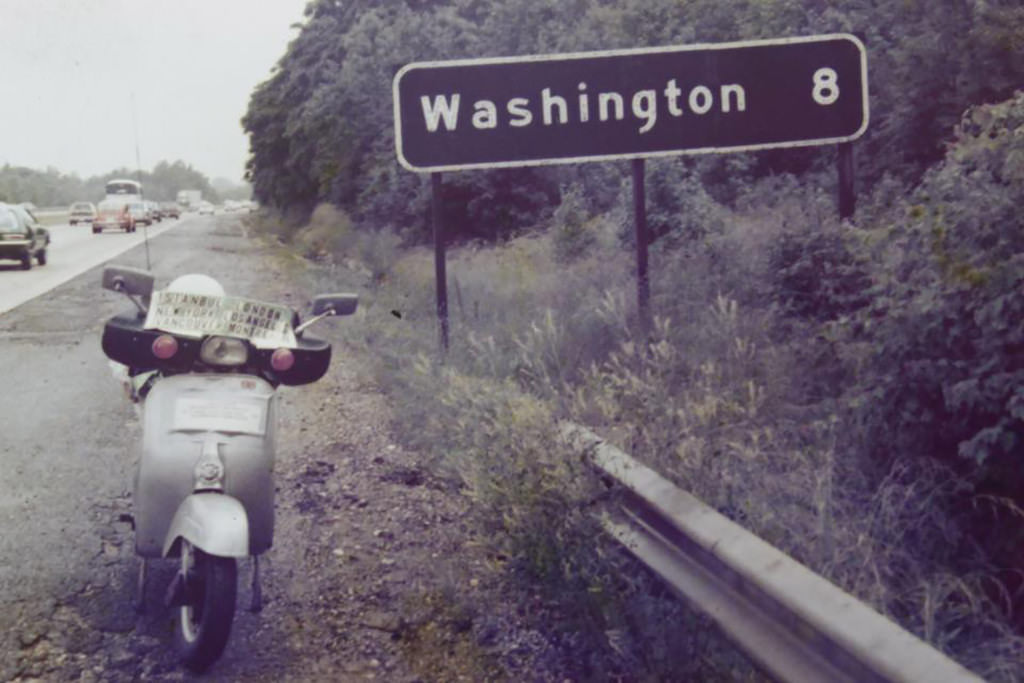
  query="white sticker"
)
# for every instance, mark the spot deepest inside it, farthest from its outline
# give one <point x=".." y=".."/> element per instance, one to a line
<point x="214" y="415"/>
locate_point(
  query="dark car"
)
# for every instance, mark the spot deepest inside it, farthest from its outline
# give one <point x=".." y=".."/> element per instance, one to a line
<point x="21" y="236"/>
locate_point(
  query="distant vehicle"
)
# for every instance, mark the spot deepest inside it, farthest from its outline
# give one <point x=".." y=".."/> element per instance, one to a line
<point x="140" y="213"/>
<point x="170" y="209"/>
<point x="190" y="200"/>
<point x="154" y="211"/>
<point x="113" y="214"/>
<point x="123" y="188"/>
<point x="84" y="212"/>
<point x="21" y="236"/>
<point x="206" y="208"/>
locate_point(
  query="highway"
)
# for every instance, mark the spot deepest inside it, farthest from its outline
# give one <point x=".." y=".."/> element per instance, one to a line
<point x="73" y="250"/>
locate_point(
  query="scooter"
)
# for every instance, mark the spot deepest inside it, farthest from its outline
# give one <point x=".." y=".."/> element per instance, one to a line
<point x="205" y="367"/>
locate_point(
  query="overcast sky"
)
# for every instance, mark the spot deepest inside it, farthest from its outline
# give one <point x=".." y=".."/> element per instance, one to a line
<point x="70" y="69"/>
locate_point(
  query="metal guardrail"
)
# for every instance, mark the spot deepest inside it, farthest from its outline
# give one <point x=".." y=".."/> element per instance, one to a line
<point x="794" y="624"/>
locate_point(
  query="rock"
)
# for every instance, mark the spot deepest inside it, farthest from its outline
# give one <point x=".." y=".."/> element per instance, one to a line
<point x="144" y="645"/>
<point x="30" y="636"/>
<point x="122" y="658"/>
<point x="381" y="621"/>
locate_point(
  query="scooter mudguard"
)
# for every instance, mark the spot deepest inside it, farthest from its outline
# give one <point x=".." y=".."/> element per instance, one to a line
<point x="213" y="522"/>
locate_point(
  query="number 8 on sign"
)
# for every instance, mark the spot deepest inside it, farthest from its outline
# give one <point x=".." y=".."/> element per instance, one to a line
<point x="826" y="86"/>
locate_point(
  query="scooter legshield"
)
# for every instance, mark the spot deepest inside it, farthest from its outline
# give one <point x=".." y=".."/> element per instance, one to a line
<point x="213" y="522"/>
<point x="233" y="415"/>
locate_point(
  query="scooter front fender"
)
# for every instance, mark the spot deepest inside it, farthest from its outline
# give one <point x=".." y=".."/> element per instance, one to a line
<point x="213" y="522"/>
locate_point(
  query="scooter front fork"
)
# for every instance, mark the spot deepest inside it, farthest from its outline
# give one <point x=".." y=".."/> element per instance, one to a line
<point x="174" y="590"/>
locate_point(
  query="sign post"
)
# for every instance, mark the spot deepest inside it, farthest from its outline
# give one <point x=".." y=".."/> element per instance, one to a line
<point x="643" y="282"/>
<point x="630" y="104"/>
<point x="440" y="273"/>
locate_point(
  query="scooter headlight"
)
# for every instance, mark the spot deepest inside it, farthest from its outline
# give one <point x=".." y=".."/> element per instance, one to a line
<point x="225" y="351"/>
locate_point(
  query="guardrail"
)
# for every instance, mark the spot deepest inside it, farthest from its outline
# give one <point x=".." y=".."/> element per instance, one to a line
<point x="794" y="624"/>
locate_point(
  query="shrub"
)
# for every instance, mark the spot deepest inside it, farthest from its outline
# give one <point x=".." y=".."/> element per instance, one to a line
<point x="571" y="236"/>
<point x="946" y="326"/>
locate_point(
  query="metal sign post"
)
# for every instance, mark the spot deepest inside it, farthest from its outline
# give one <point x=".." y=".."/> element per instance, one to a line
<point x="643" y="283"/>
<point x="629" y="104"/>
<point x="440" y="274"/>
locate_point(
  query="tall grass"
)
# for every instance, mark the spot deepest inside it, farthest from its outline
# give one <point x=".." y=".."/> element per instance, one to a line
<point x="729" y="396"/>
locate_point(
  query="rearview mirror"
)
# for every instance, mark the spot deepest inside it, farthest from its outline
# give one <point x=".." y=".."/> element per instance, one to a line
<point x="343" y="304"/>
<point x="134" y="281"/>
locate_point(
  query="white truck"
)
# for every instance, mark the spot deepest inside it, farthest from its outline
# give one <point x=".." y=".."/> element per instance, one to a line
<point x="189" y="200"/>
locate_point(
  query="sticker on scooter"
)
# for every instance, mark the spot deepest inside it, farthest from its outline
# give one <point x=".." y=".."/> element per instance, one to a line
<point x="212" y="415"/>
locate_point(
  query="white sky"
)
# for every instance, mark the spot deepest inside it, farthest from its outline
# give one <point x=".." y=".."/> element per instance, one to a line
<point x="69" y="69"/>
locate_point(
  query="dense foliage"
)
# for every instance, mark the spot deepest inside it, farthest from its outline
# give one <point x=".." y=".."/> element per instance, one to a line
<point x="946" y="318"/>
<point x="853" y="392"/>
<point x="53" y="188"/>
<point x="321" y="127"/>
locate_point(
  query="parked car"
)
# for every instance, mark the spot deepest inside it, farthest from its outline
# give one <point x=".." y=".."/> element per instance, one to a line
<point x="170" y="209"/>
<point x="113" y="214"/>
<point x="82" y="212"/>
<point x="21" y="236"/>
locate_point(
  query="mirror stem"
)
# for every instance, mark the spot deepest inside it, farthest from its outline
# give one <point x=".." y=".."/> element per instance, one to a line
<point x="138" y="304"/>
<point x="326" y="314"/>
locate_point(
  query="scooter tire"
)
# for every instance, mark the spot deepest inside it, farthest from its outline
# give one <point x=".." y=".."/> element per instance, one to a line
<point x="204" y="622"/>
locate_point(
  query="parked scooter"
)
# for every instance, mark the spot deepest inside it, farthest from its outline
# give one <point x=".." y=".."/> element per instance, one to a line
<point x="205" y="367"/>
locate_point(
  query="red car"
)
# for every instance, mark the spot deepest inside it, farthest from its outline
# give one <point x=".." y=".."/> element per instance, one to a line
<point x="111" y="214"/>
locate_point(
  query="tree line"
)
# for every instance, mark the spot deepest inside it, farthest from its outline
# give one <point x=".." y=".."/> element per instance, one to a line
<point x="321" y="130"/>
<point x="54" y="188"/>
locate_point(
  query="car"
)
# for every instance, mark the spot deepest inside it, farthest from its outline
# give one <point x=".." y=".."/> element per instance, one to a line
<point x="82" y="212"/>
<point x="206" y="208"/>
<point x="170" y="209"/>
<point x="113" y="214"/>
<point x="155" y="214"/>
<point x="140" y="213"/>
<point x="21" y="236"/>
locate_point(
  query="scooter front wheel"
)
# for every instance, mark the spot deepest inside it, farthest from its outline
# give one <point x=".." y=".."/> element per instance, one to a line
<point x="204" y="620"/>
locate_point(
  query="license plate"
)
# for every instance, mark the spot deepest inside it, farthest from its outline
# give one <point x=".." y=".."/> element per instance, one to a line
<point x="219" y="415"/>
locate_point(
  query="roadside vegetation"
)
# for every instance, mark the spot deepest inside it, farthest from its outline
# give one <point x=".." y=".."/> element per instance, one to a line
<point x="851" y="392"/>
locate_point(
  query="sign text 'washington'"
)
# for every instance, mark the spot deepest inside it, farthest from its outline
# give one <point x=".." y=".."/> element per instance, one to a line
<point x="518" y="111"/>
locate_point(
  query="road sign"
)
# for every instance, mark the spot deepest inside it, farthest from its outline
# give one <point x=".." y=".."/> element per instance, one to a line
<point x="544" y="109"/>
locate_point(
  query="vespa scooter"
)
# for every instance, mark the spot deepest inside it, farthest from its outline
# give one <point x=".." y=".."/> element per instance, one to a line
<point x="206" y="367"/>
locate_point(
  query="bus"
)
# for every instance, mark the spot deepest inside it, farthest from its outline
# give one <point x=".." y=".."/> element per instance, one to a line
<point x="123" y="188"/>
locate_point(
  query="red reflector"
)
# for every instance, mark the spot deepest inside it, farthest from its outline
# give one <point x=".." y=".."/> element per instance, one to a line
<point x="282" y="360"/>
<point x="165" y="346"/>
